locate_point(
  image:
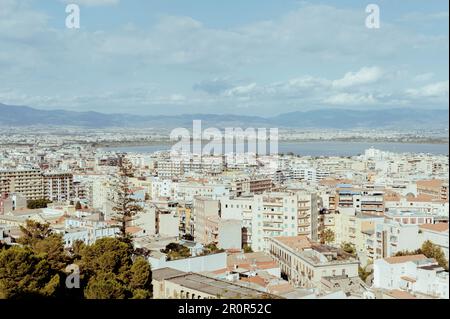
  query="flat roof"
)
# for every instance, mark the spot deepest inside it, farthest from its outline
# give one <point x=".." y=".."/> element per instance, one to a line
<point x="208" y="285"/>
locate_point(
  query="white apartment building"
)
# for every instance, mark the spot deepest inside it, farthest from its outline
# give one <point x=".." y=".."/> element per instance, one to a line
<point x="415" y="274"/>
<point x="186" y="191"/>
<point x="204" y="208"/>
<point x="391" y="237"/>
<point x="305" y="262"/>
<point x="283" y="214"/>
<point x="58" y="187"/>
<point x="239" y="208"/>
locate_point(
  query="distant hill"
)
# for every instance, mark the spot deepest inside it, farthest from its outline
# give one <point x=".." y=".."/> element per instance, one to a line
<point x="324" y="118"/>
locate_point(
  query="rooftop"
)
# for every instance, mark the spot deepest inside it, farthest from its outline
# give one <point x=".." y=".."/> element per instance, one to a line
<point x="207" y="285"/>
<point x="404" y="259"/>
<point x="440" y="227"/>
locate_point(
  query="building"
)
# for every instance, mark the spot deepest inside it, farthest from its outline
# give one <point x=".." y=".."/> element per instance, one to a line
<point x="239" y="208"/>
<point x="28" y="182"/>
<point x="276" y="214"/>
<point x="435" y="187"/>
<point x="305" y="262"/>
<point x="230" y="234"/>
<point x="415" y="274"/>
<point x="200" y="263"/>
<point x="437" y="234"/>
<point x="349" y="226"/>
<point x="251" y="185"/>
<point x="204" y="208"/>
<point x="12" y="202"/>
<point x="174" y="284"/>
<point x="391" y="237"/>
<point x="58" y="187"/>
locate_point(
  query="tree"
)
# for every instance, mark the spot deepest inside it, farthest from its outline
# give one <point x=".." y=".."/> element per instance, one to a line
<point x="104" y="286"/>
<point x="41" y="240"/>
<point x="23" y="274"/>
<point x="433" y="251"/>
<point x="326" y="236"/>
<point x="364" y="273"/>
<point x="78" y="206"/>
<point x="141" y="276"/>
<point x="430" y="250"/>
<point x="348" y="248"/>
<point x="247" y="249"/>
<point x="38" y="203"/>
<point x="34" y="232"/>
<point x="53" y="247"/>
<point x="125" y="206"/>
<point x="176" y="251"/>
<point x="107" y="256"/>
<point x="109" y="272"/>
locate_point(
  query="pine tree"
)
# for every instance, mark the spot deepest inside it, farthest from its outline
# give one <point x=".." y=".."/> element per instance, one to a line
<point x="125" y="206"/>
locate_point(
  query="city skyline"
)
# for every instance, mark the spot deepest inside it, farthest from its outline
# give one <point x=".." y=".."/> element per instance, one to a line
<point x="252" y="58"/>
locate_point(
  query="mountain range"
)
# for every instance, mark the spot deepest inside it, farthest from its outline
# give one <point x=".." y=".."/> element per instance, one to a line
<point x="397" y="118"/>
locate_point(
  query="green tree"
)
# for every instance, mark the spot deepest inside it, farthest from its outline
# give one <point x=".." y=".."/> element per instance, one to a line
<point x="430" y="250"/>
<point x="53" y="247"/>
<point x="107" y="256"/>
<point x="247" y="249"/>
<point x="433" y="251"/>
<point x="108" y="270"/>
<point x="125" y="206"/>
<point x="141" y="275"/>
<point x="104" y="286"/>
<point x="24" y="274"/>
<point x="34" y="232"/>
<point x="348" y="248"/>
<point x="38" y="203"/>
<point x="364" y="273"/>
<point x="41" y="240"/>
<point x="326" y="236"/>
<point x="176" y="251"/>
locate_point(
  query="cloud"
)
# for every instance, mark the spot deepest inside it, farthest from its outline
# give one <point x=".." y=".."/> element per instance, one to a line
<point x="365" y="75"/>
<point x="287" y="62"/>
<point x="213" y="86"/>
<point x="347" y="99"/>
<point x="424" y="77"/>
<point x="439" y="89"/>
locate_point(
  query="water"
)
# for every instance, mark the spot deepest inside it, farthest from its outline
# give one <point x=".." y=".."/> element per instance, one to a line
<point x="322" y="148"/>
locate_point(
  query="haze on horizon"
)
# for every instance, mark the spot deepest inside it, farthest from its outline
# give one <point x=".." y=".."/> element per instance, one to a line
<point x="253" y="57"/>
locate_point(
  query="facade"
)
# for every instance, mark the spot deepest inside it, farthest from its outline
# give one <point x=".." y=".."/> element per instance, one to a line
<point x="28" y="182"/>
<point x="435" y="187"/>
<point x="202" y="263"/>
<point x="173" y="284"/>
<point x="12" y="202"/>
<point x="239" y="208"/>
<point x="229" y="234"/>
<point x="391" y="237"/>
<point x="305" y="262"/>
<point x="416" y="274"/>
<point x="291" y="213"/>
<point x="58" y="187"/>
<point x="204" y="209"/>
<point x="437" y="234"/>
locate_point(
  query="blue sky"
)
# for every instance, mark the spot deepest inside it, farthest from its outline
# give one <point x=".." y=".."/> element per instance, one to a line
<point x="261" y="57"/>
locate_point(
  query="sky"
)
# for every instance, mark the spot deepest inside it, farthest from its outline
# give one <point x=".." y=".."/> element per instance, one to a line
<point x="251" y="57"/>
